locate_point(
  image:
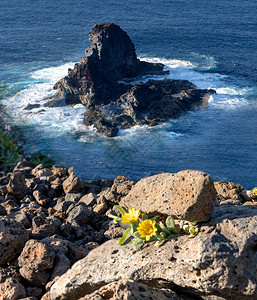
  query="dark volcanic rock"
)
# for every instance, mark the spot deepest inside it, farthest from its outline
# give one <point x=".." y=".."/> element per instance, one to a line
<point x="111" y="57"/>
<point x="146" y="103"/>
<point x="94" y="82"/>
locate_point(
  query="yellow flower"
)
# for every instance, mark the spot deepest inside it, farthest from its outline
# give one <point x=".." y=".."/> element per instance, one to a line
<point x="131" y="216"/>
<point x="254" y="191"/>
<point x="147" y="229"/>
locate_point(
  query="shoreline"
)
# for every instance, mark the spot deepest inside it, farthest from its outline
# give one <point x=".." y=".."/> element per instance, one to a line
<point x="64" y="219"/>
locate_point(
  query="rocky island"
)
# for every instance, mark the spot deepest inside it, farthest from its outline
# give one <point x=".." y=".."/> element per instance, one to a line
<point x="111" y="104"/>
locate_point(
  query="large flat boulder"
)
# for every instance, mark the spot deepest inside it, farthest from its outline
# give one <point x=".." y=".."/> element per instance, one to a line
<point x="187" y="195"/>
<point x="219" y="263"/>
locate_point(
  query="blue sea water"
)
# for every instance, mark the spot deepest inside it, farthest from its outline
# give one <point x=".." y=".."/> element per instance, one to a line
<point x="211" y="43"/>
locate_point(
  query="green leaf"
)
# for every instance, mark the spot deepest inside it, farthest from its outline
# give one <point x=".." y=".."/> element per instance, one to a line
<point x="159" y="243"/>
<point x="136" y="234"/>
<point x="122" y="239"/>
<point x="112" y="216"/>
<point x="120" y="209"/>
<point x="193" y="223"/>
<point x="158" y="234"/>
<point x="163" y="228"/>
<point x="138" y="243"/>
<point x="194" y="231"/>
<point x="163" y="235"/>
<point x="144" y="217"/>
<point x="134" y="226"/>
<point x="170" y="223"/>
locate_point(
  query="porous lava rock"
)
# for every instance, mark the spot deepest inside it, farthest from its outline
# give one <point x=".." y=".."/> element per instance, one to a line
<point x="13" y="237"/>
<point x="11" y="287"/>
<point x="219" y="263"/>
<point x="128" y="289"/>
<point x="35" y="261"/>
<point x="187" y="195"/>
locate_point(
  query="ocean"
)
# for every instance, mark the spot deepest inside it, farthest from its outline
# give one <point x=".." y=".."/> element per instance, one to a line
<point x="212" y="44"/>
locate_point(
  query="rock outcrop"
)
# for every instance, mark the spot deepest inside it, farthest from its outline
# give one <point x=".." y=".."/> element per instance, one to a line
<point x="111" y="57"/>
<point x="95" y="82"/>
<point x="187" y="195"/>
<point x="128" y="289"/>
<point x="220" y="261"/>
<point x="56" y="241"/>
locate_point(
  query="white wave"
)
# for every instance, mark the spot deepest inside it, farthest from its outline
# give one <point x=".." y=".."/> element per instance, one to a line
<point x="171" y="63"/>
<point x="240" y="91"/>
<point x="59" y="118"/>
<point x="228" y="95"/>
<point x="70" y="118"/>
<point x="204" y="62"/>
<point x="53" y="74"/>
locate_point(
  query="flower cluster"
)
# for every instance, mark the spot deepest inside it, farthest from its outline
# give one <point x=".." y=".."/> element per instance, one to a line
<point x="158" y="229"/>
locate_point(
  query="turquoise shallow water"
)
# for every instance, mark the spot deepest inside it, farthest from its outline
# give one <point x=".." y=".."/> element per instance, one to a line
<point x="214" y="46"/>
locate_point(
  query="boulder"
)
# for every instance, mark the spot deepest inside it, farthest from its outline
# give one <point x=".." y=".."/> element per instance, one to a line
<point x="36" y="169"/>
<point x="128" y="289"/>
<point x="40" y="198"/>
<point x="56" y="244"/>
<point x="80" y="214"/>
<point x="31" y="106"/>
<point x="24" y="167"/>
<point x="101" y="206"/>
<point x="72" y="184"/>
<point x="77" y="252"/>
<point x="60" y="210"/>
<point x="187" y="195"/>
<point x="74" y="197"/>
<point x="59" y="171"/>
<point x="61" y="265"/>
<point x="35" y="262"/>
<point x="219" y="263"/>
<point x="34" y="292"/>
<point x="45" y="226"/>
<point x="119" y="189"/>
<point x="13" y="237"/>
<point x="228" y="190"/>
<point x="3" y="211"/>
<point x="89" y="199"/>
<point x="17" y="185"/>
<point x="10" y="205"/>
<point x="21" y="217"/>
<point x="11" y="287"/>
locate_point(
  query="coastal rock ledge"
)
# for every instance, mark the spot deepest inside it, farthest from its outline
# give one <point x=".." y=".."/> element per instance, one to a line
<point x="58" y="243"/>
<point x="96" y="82"/>
<point x="219" y="263"/>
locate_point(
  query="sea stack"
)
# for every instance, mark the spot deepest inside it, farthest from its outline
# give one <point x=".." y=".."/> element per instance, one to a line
<point x="95" y="82"/>
<point x="111" y="57"/>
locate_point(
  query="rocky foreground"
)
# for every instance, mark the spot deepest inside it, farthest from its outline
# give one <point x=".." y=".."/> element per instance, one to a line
<point x="56" y="241"/>
<point x="111" y="104"/>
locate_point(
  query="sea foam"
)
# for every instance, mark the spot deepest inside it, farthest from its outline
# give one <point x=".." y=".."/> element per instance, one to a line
<point x="71" y="118"/>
